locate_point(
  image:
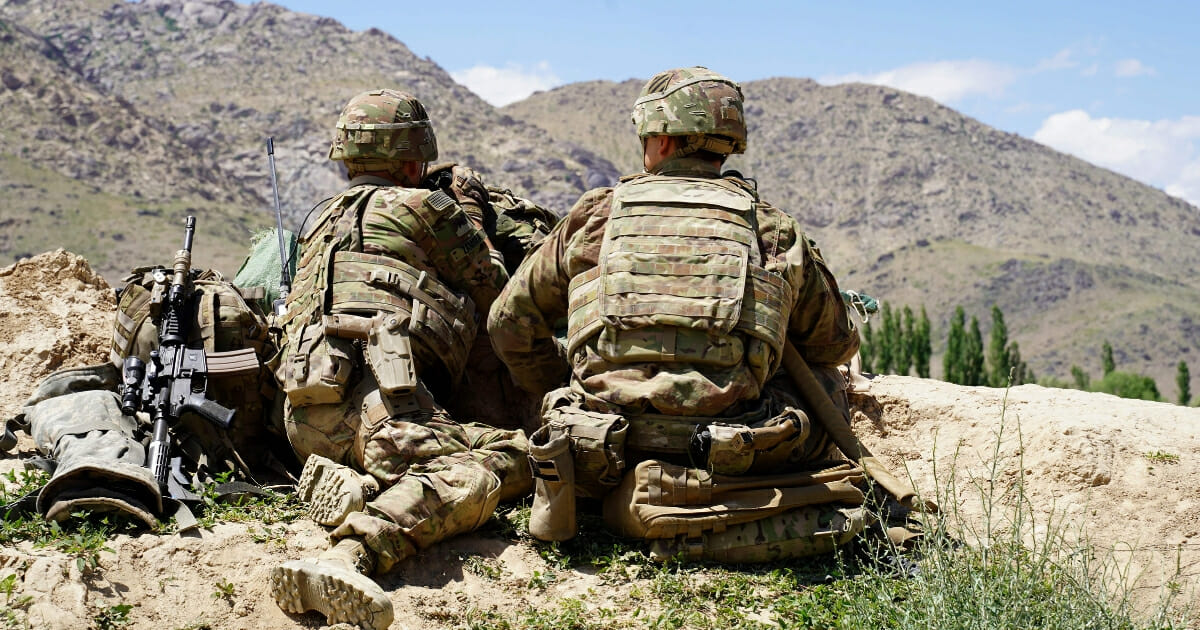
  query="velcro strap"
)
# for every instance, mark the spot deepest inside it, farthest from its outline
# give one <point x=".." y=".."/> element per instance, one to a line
<point x="545" y="469"/>
<point x="376" y="413"/>
<point x="252" y="293"/>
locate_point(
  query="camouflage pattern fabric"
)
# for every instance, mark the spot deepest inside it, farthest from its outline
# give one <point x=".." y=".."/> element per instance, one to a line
<point x="693" y="102"/>
<point x="651" y="378"/>
<point x="514" y="226"/>
<point x="523" y="320"/>
<point x="99" y="464"/>
<point x="438" y="477"/>
<point x="223" y="320"/>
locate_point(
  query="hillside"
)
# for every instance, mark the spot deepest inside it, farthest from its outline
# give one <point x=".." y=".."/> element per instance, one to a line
<point x="918" y="204"/>
<point x="1122" y="472"/>
<point x="184" y="95"/>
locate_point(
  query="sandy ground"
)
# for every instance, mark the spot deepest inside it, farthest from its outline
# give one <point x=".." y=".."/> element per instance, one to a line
<point x="1123" y="473"/>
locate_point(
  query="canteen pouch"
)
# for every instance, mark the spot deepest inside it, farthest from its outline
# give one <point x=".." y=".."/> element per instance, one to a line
<point x="597" y="447"/>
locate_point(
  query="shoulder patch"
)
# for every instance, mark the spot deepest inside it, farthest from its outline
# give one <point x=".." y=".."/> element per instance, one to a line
<point x="439" y="201"/>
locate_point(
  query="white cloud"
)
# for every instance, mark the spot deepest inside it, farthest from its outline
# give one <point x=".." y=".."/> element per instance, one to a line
<point x="1062" y="60"/>
<point x="1091" y="70"/>
<point x="1163" y="153"/>
<point x="943" y="81"/>
<point x="1132" y="68"/>
<point x="513" y="82"/>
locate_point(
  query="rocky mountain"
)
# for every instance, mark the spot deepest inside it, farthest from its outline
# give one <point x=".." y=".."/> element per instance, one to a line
<point x="119" y="118"/>
<point x="920" y="205"/>
<point x="183" y="96"/>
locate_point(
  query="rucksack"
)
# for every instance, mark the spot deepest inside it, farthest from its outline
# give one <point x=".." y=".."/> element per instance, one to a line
<point x="225" y="318"/>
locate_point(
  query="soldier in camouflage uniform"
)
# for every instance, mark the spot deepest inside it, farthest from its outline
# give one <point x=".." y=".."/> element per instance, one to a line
<point x="680" y="286"/>
<point x="391" y="281"/>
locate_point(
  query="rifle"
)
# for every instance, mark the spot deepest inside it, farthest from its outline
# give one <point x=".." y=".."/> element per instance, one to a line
<point x="176" y="378"/>
<point x="285" y="279"/>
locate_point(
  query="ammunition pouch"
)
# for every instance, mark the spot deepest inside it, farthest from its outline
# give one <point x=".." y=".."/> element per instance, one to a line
<point x="316" y="369"/>
<point x="597" y="447"/>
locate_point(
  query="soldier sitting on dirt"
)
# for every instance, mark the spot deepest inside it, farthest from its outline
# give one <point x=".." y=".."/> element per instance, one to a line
<point x="392" y="279"/>
<point x="683" y="290"/>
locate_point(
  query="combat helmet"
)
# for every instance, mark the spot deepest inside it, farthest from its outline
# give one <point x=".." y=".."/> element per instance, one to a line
<point x="695" y="102"/>
<point x="384" y="125"/>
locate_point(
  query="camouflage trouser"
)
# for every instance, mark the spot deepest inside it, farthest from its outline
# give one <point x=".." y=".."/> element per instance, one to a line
<point x="98" y="463"/>
<point x="440" y="478"/>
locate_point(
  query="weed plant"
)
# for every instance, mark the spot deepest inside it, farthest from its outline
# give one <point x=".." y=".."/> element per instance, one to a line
<point x="1004" y="570"/>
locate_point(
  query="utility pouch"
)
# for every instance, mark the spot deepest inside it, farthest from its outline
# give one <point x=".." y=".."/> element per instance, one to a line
<point x="389" y="353"/>
<point x="597" y="446"/>
<point x="317" y="370"/>
<point x="733" y="449"/>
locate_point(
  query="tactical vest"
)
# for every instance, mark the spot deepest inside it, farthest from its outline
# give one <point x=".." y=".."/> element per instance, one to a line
<point x="680" y="279"/>
<point x="342" y="296"/>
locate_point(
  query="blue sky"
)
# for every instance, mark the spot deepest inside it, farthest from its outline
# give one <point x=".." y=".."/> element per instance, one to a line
<point x="1117" y="84"/>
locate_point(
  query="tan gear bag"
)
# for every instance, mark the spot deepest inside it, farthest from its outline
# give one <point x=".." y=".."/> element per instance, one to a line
<point x="658" y="500"/>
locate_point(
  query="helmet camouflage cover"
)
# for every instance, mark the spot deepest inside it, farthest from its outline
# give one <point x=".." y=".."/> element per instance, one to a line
<point x="693" y="102"/>
<point x="384" y="125"/>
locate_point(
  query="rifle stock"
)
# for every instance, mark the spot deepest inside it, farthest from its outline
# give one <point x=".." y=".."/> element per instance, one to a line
<point x="837" y="425"/>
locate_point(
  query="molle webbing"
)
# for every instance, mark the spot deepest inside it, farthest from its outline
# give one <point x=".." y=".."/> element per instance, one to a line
<point x="335" y="229"/>
<point x="132" y="311"/>
<point x="679" y="271"/>
<point x="368" y="284"/>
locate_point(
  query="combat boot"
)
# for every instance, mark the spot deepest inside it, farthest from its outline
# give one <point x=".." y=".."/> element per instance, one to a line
<point x="333" y="491"/>
<point x="336" y="585"/>
<point x="552" y="516"/>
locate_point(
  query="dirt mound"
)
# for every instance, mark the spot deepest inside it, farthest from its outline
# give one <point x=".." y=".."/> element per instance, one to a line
<point x="1122" y="473"/>
<point x="1124" y="470"/>
<point x="55" y="313"/>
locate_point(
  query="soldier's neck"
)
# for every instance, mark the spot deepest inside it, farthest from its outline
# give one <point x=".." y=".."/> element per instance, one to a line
<point x="687" y="167"/>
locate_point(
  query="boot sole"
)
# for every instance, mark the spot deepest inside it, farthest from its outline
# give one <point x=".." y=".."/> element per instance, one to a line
<point x="323" y="484"/>
<point x="343" y="596"/>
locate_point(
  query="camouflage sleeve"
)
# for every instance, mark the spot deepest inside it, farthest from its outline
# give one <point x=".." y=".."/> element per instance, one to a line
<point x="430" y="231"/>
<point x="818" y="326"/>
<point x="522" y="321"/>
<point x="466" y="186"/>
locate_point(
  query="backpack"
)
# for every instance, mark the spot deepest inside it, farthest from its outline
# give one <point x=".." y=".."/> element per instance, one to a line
<point x="225" y="318"/>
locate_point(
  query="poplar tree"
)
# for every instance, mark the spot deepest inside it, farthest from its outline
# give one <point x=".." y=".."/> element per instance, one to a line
<point x="999" y="361"/>
<point x="973" y="372"/>
<point x="1081" y="378"/>
<point x="1183" y="380"/>
<point x="907" y="336"/>
<point x="887" y="342"/>
<point x="923" y="345"/>
<point x="866" y="350"/>
<point x="952" y="362"/>
<point x="1106" y="358"/>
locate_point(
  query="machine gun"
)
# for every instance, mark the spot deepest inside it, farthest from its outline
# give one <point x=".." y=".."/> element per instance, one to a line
<point x="175" y="379"/>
